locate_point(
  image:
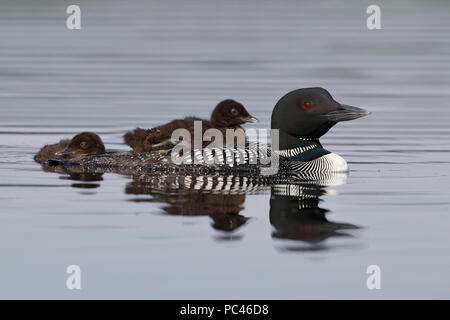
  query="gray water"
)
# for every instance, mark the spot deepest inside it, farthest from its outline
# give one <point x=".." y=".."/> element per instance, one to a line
<point x="142" y="63"/>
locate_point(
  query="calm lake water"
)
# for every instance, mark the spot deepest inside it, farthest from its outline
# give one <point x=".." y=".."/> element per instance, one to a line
<point x="142" y="63"/>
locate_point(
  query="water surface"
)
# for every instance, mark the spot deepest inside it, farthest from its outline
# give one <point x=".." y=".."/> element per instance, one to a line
<point x="142" y="63"/>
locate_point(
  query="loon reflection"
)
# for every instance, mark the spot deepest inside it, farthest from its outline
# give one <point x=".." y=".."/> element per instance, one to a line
<point x="223" y="208"/>
<point x="295" y="215"/>
<point x="294" y="206"/>
<point x="75" y="174"/>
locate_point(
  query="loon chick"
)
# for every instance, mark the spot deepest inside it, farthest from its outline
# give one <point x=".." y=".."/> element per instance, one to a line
<point x="228" y="114"/>
<point x="83" y="144"/>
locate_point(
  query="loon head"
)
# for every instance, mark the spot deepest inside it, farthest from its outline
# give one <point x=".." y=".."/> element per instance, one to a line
<point x="230" y="113"/>
<point x="308" y="113"/>
<point x="83" y="144"/>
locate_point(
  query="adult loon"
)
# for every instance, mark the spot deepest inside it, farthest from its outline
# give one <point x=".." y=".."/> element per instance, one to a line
<point x="299" y="119"/>
<point x="228" y="114"/>
<point x="82" y="144"/>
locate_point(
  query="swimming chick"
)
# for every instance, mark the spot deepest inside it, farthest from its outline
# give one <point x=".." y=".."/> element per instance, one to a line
<point x="299" y="119"/>
<point x="228" y="114"/>
<point x="83" y="144"/>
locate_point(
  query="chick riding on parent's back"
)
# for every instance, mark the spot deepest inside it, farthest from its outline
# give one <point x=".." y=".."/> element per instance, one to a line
<point x="228" y="114"/>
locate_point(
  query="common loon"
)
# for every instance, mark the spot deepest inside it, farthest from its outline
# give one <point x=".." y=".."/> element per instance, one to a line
<point x="299" y="119"/>
<point x="228" y="114"/>
<point x="83" y="144"/>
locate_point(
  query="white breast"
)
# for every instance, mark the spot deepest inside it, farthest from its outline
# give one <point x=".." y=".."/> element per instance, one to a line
<point x="330" y="162"/>
<point x="334" y="163"/>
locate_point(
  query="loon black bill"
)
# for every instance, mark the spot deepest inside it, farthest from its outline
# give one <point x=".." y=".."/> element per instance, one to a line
<point x="345" y="112"/>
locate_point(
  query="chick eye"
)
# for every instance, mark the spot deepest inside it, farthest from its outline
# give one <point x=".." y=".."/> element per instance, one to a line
<point x="307" y="105"/>
<point x="234" y="111"/>
<point x="83" y="144"/>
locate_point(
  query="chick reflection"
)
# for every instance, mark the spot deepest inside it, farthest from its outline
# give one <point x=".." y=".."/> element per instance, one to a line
<point x="76" y="174"/>
<point x="222" y="208"/>
<point x="295" y="215"/>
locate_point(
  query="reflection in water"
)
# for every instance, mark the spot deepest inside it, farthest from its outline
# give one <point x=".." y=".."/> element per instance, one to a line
<point x="75" y="174"/>
<point x="295" y="215"/>
<point x="87" y="177"/>
<point x="223" y="208"/>
<point x="294" y="203"/>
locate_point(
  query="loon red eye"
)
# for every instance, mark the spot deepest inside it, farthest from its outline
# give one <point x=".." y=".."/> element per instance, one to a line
<point x="307" y="105"/>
